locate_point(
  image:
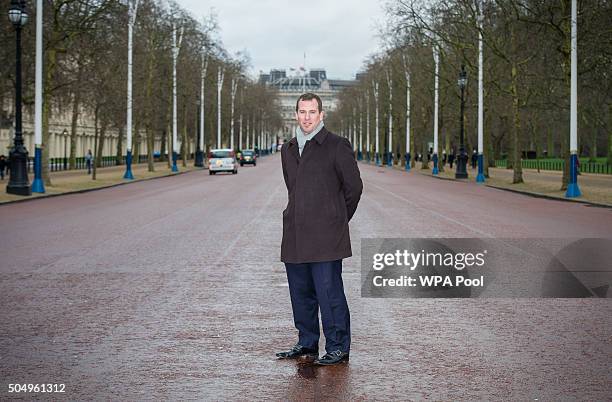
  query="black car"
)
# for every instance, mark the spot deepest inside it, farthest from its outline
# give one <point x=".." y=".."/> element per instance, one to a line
<point x="247" y="157"/>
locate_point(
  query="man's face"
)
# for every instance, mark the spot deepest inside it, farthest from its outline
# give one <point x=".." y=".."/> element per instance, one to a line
<point x="308" y="115"/>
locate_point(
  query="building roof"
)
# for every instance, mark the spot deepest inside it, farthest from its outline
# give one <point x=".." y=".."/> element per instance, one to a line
<point x="313" y="80"/>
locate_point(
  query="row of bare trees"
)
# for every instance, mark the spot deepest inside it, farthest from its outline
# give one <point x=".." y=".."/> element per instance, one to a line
<point x="85" y="76"/>
<point x="526" y="77"/>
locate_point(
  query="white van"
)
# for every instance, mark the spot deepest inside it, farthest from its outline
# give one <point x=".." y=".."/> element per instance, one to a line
<point x="222" y="160"/>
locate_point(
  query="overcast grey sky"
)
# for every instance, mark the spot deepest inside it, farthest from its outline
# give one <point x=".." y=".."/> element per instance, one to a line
<point x="337" y="35"/>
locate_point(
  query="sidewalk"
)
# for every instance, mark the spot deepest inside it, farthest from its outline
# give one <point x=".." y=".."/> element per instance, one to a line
<point x="595" y="188"/>
<point x="78" y="180"/>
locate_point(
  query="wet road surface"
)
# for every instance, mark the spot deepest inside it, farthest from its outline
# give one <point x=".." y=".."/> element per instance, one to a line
<point x="173" y="289"/>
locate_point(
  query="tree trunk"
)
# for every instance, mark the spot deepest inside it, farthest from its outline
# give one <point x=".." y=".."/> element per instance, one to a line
<point x="536" y="141"/>
<point x="73" y="128"/>
<point x="75" y="116"/>
<point x="425" y="150"/>
<point x="488" y="158"/>
<point x="119" y="155"/>
<point x="150" y="146"/>
<point x="170" y="147"/>
<point x="517" y="176"/>
<point x="550" y="151"/>
<point x="516" y="130"/>
<point x="184" y="144"/>
<point x="609" y="146"/>
<point x="162" y="152"/>
<point x="609" y="128"/>
<point x="594" y="144"/>
<point x="100" y="145"/>
<point x="136" y="145"/>
<point x="440" y="147"/>
<point x="95" y="161"/>
<point x="413" y="149"/>
<point x="46" y="112"/>
<point x="149" y="115"/>
<point x="565" y="154"/>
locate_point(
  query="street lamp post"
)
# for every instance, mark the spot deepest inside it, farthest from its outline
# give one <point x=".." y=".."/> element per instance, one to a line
<point x="435" y="171"/>
<point x="573" y="190"/>
<point x="65" y="135"/>
<point x="480" y="178"/>
<point x="199" y="159"/>
<point x="37" y="185"/>
<point x="132" y="10"/>
<point x="199" y="155"/>
<point x="407" y="75"/>
<point x="219" y="87"/>
<point x="377" y="158"/>
<point x="18" y="156"/>
<point x="175" y="52"/>
<point x="461" y="172"/>
<point x="389" y="156"/>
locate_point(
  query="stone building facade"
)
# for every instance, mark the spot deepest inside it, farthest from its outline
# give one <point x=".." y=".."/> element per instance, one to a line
<point x="290" y="87"/>
<point x="59" y="134"/>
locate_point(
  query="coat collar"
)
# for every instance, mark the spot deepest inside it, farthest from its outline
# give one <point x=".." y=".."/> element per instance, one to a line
<point x="319" y="139"/>
<point x="321" y="136"/>
<point x="293" y="148"/>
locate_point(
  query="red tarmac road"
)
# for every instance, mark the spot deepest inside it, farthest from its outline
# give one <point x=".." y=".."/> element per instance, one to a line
<point x="172" y="289"/>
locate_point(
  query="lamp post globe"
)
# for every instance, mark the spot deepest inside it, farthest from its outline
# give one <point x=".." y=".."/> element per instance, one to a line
<point x="461" y="172"/>
<point x="18" y="155"/>
<point x="17" y="13"/>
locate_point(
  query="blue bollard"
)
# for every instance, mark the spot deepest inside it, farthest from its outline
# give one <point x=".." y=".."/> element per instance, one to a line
<point x="435" y="171"/>
<point x="128" y="166"/>
<point x="174" y="158"/>
<point x="37" y="185"/>
<point x="480" y="178"/>
<point x="572" y="187"/>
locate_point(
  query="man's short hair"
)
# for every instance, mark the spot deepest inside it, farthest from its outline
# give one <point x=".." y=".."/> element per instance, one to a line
<point x="307" y="97"/>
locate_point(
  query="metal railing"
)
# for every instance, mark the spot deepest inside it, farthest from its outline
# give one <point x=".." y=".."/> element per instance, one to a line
<point x="557" y="164"/>
<point x="59" y="164"/>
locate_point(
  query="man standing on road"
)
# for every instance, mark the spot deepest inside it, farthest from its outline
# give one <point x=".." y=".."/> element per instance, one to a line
<point x="88" y="160"/>
<point x="324" y="188"/>
<point x="3" y="164"/>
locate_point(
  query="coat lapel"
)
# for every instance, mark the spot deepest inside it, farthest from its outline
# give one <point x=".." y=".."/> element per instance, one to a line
<point x="293" y="148"/>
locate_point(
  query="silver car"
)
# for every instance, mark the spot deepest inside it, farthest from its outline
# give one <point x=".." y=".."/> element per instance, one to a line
<point x="222" y="160"/>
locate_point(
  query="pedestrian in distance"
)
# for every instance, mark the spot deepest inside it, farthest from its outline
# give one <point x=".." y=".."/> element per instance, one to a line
<point x="3" y="165"/>
<point x="316" y="232"/>
<point x="451" y="158"/>
<point x="88" y="159"/>
<point x="474" y="158"/>
<point x="444" y="157"/>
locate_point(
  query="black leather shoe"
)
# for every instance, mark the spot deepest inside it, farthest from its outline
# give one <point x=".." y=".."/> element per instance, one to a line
<point x="298" y="351"/>
<point x="331" y="358"/>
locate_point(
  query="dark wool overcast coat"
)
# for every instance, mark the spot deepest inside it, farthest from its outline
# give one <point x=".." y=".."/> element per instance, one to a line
<point x="324" y="188"/>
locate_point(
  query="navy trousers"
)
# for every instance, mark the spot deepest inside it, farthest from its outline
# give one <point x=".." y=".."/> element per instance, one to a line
<point x="314" y="286"/>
